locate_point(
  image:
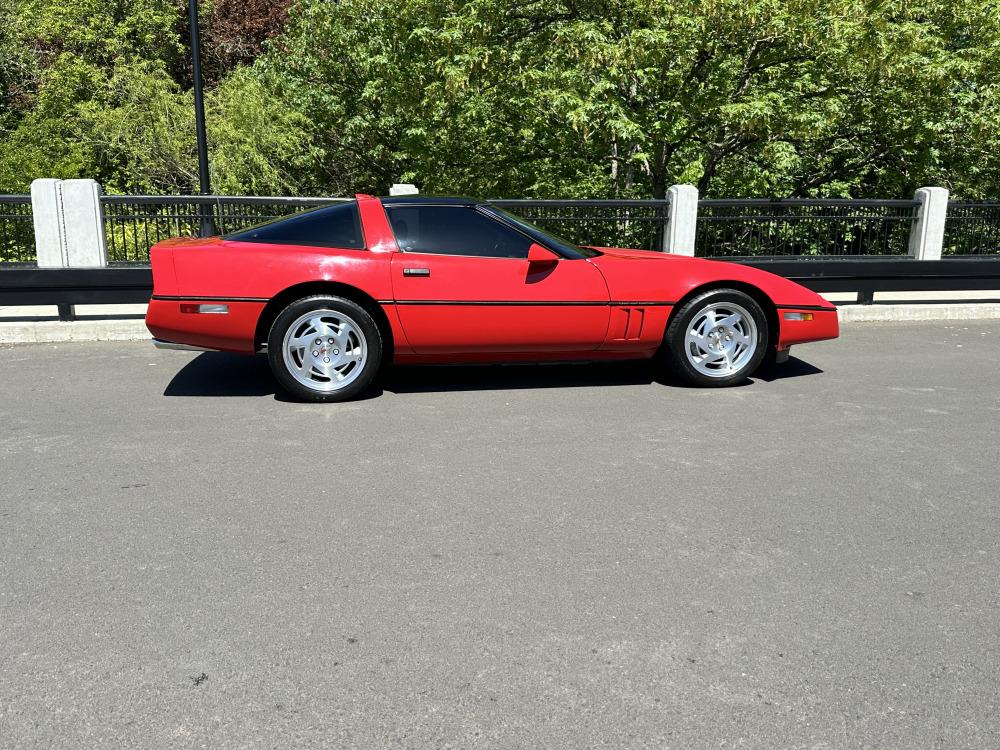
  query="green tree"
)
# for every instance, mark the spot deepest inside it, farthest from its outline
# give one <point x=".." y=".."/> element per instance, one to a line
<point x="546" y="98"/>
<point x="625" y="97"/>
<point x="102" y="103"/>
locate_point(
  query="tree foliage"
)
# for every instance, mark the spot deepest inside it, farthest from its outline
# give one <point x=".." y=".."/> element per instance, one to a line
<point x="546" y="98"/>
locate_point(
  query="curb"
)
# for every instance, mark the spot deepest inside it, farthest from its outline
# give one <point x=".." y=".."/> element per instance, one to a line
<point x="880" y="313"/>
<point x="54" y="331"/>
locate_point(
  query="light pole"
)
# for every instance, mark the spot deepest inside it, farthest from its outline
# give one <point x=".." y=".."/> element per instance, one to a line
<point x="204" y="182"/>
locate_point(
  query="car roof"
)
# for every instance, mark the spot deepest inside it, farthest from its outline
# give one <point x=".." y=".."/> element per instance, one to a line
<point x="430" y="200"/>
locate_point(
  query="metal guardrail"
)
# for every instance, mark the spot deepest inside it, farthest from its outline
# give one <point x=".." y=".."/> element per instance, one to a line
<point x="134" y="223"/>
<point x="68" y="287"/>
<point x="972" y="228"/>
<point x="17" y="231"/>
<point x="803" y="227"/>
<point x="865" y="276"/>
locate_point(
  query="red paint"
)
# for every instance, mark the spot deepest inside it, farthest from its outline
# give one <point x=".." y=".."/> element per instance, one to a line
<point x="577" y="319"/>
<point x="614" y="306"/>
<point x="229" y="332"/>
<point x="824" y="325"/>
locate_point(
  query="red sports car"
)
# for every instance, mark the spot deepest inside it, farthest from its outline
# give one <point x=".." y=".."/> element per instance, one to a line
<point x="333" y="293"/>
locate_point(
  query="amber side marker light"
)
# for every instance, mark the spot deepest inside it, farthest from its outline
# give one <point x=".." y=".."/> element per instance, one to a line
<point x="798" y="316"/>
<point x="212" y="309"/>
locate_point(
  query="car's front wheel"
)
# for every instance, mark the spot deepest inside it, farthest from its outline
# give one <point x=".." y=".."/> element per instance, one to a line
<point x="719" y="338"/>
<point x="324" y="348"/>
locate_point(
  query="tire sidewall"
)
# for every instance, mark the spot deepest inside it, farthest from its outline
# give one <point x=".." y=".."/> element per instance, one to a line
<point x="676" y="333"/>
<point x="275" y="344"/>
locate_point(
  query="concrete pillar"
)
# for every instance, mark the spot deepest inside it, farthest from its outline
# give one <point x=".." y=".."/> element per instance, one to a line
<point x="46" y="212"/>
<point x="84" y="223"/>
<point x="927" y="233"/>
<point x="682" y="220"/>
<point x="69" y="225"/>
<point x="403" y="188"/>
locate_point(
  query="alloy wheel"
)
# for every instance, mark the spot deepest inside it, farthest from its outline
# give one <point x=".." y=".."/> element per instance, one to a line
<point x="721" y="340"/>
<point x="324" y="350"/>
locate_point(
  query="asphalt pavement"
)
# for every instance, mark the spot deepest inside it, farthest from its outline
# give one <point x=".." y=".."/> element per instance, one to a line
<point x="510" y="557"/>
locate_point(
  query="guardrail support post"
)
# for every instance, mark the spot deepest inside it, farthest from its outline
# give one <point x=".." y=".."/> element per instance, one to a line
<point x="682" y="220"/>
<point x="927" y="234"/>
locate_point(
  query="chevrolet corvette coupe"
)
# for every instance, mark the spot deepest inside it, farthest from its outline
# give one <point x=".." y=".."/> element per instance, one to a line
<point x="333" y="293"/>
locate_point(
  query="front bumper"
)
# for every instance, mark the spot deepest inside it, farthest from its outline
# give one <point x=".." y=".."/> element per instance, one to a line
<point x="815" y="325"/>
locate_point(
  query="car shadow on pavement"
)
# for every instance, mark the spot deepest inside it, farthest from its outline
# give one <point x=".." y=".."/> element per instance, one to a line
<point x="222" y="374"/>
<point x="426" y="379"/>
<point x="219" y="374"/>
<point x="793" y="368"/>
<point x="415" y="379"/>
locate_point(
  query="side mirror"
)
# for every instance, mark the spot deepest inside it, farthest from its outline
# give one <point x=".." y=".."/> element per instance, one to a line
<point x="538" y="255"/>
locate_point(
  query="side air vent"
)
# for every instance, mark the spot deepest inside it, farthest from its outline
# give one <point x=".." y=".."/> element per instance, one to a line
<point x="626" y="323"/>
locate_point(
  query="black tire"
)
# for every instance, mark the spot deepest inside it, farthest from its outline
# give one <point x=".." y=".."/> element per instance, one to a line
<point x="371" y="348"/>
<point x="679" y="357"/>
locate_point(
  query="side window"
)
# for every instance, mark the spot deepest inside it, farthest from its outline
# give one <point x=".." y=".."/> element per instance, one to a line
<point x="331" y="226"/>
<point x="454" y="230"/>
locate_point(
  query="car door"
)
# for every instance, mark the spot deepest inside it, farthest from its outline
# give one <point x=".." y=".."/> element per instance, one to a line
<point x="462" y="283"/>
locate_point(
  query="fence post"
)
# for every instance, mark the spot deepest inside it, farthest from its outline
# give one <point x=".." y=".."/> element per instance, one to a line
<point x="927" y="233"/>
<point x="46" y="214"/>
<point x="69" y="227"/>
<point x="83" y="220"/>
<point x="682" y="220"/>
<point x="69" y="224"/>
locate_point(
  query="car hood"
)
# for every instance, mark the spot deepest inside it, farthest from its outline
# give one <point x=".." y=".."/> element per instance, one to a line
<point x="624" y="252"/>
<point x="643" y="275"/>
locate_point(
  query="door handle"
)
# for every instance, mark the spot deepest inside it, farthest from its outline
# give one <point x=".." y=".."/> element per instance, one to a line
<point x="416" y="272"/>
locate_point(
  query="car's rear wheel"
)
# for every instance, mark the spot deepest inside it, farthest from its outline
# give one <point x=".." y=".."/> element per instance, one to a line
<point x="719" y="338"/>
<point x="324" y="349"/>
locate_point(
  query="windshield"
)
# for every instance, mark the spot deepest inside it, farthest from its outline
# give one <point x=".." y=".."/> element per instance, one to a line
<point x="564" y="247"/>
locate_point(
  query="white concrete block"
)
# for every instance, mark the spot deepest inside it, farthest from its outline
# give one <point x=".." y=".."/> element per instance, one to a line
<point x="682" y="220"/>
<point x="927" y="234"/>
<point x="84" y="224"/>
<point x="46" y="214"/>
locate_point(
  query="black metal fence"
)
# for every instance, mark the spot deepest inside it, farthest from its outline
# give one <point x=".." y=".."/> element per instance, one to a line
<point x="609" y="223"/>
<point x="803" y="227"/>
<point x="134" y="223"/>
<point x="744" y="228"/>
<point x="972" y="229"/>
<point x="17" y="231"/>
